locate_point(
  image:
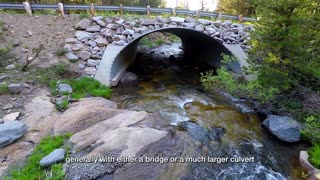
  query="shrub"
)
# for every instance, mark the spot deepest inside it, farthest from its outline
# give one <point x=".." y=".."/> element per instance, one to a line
<point x="227" y="81"/>
<point x="314" y="153"/>
<point x="3" y="88"/>
<point x="312" y="128"/>
<point x="32" y="169"/>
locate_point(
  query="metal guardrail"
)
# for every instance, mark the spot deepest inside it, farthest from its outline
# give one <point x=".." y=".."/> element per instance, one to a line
<point x="6" y="6"/>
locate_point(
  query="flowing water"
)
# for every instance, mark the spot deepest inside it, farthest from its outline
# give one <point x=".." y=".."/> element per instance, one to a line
<point x="204" y="127"/>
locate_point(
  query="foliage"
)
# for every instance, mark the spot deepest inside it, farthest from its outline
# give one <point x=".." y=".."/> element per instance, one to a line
<point x="32" y="169"/>
<point x="286" y="44"/>
<point x="314" y="153"/>
<point x="311" y="130"/>
<point x="63" y="106"/>
<point x="4" y="88"/>
<point x="223" y="80"/>
<point x="146" y="42"/>
<point x="85" y="85"/>
<point x="234" y="85"/>
<point x="49" y="76"/>
<point x="243" y="7"/>
<point x="227" y="59"/>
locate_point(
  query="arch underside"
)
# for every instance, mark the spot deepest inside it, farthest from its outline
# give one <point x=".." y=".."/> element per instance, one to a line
<point x="197" y="46"/>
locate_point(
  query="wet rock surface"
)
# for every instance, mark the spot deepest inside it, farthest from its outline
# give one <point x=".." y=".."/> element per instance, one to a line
<point x="283" y="127"/>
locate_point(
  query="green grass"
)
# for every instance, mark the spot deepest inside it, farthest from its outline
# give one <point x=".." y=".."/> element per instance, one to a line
<point x="146" y="42"/>
<point x="63" y="106"/>
<point x="4" y="88"/>
<point x="314" y="153"/>
<point x="47" y="76"/>
<point x="160" y="42"/>
<point x="84" y="15"/>
<point x="85" y="85"/>
<point x="32" y="170"/>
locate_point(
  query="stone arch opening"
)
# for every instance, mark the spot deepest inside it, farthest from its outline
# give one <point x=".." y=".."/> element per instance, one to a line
<point x="197" y="46"/>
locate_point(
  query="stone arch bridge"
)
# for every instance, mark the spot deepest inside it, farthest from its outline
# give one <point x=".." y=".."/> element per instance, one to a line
<point x="197" y="46"/>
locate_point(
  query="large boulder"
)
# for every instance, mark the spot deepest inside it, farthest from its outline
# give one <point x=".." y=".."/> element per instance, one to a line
<point x="283" y="127"/>
<point x="16" y="88"/>
<point x="54" y="157"/>
<point x="64" y="88"/>
<point x="85" y="113"/>
<point x="133" y="138"/>
<point x="11" y="131"/>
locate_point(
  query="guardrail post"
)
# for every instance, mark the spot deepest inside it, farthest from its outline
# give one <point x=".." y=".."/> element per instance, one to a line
<point x="174" y="11"/>
<point x="148" y="11"/>
<point x="240" y="18"/>
<point x="60" y="5"/>
<point x="27" y="7"/>
<point x="92" y="11"/>
<point x="121" y="10"/>
<point x="198" y="14"/>
<point x="220" y="15"/>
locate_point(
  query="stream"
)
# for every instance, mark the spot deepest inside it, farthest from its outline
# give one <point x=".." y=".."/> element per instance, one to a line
<point x="201" y="126"/>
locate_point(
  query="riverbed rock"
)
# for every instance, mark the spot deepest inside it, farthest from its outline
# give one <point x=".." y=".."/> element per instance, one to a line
<point x="11" y="131"/>
<point x="10" y="67"/>
<point x="131" y="137"/>
<point x="283" y="127"/>
<point x="177" y="19"/>
<point x="72" y="56"/>
<point x="119" y="43"/>
<point x="71" y="40"/>
<point x="205" y="22"/>
<point x="85" y="113"/>
<point x="93" y="29"/>
<point x="98" y="20"/>
<point x="92" y="63"/>
<point x="148" y="22"/>
<point x="83" y="55"/>
<point x="11" y="116"/>
<point x="90" y="135"/>
<point x="54" y="157"/>
<point x="112" y="26"/>
<point x="101" y="42"/>
<point x="80" y="35"/>
<point x="128" y="77"/>
<point x="128" y="32"/>
<point x="64" y="88"/>
<point x="16" y="88"/>
<point x="313" y="172"/>
<point x="83" y="24"/>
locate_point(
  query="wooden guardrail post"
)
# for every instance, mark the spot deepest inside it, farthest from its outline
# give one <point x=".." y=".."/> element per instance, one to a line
<point x="60" y="5"/>
<point x="92" y="11"/>
<point x="148" y="11"/>
<point x="240" y="18"/>
<point x="121" y="10"/>
<point x="27" y="7"/>
<point x="174" y="11"/>
<point x="198" y="14"/>
<point x="220" y="15"/>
